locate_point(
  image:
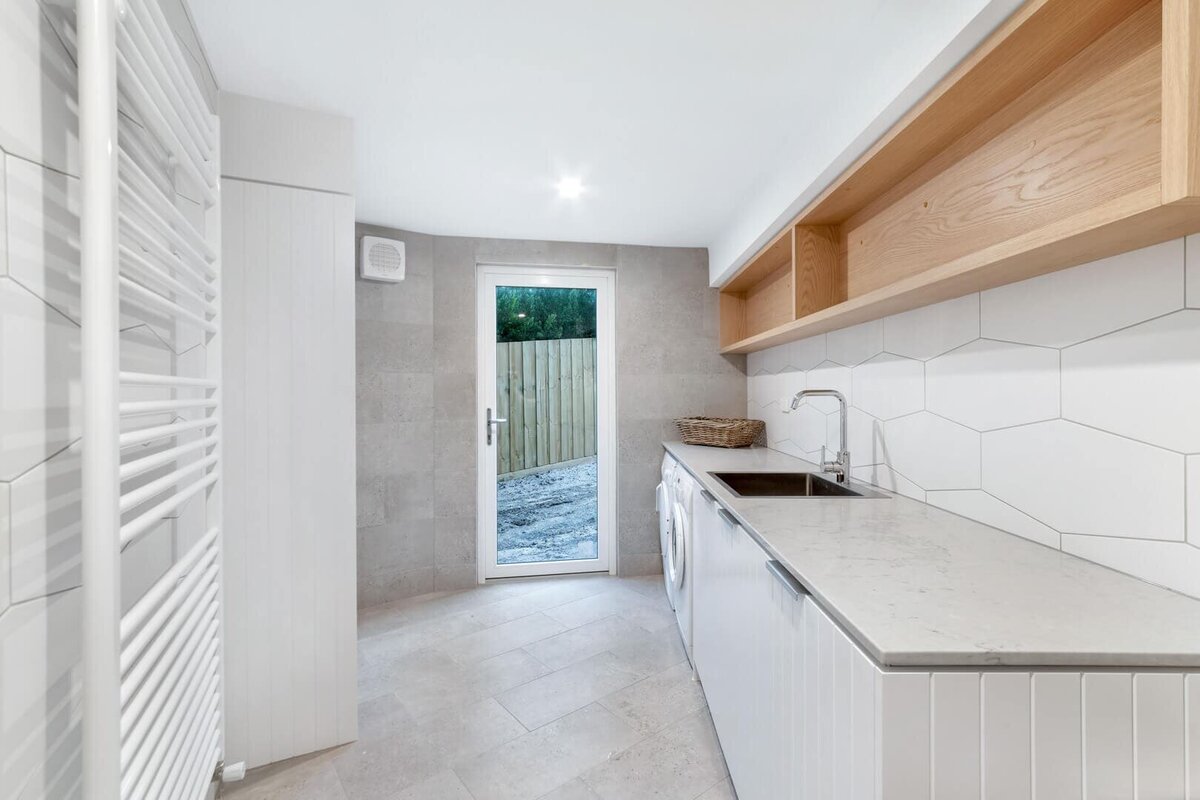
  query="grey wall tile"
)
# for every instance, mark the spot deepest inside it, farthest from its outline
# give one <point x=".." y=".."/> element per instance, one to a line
<point x="449" y="578"/>
<point x="455" y="540"/>
<point x="455" y="443"/>
<point x="667" y="366"/>
<point x="454" y="348"/>
<point x="454" y="492"/>
<point x="408" y="496"/>
<point x="410" y="301"/>
<point x="396" y="546"/>
<point x="395" y="397"/>
<point x="393" y="347"/>
<point x="454" y="395"/>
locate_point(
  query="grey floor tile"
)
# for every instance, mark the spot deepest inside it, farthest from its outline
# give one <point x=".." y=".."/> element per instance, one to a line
<point x="382" y="677"/>
<point x="502" y="611"/>
<point x="381" y="717"/>
<point x="650" y="585"/>
<point x="443" y="785"/>
<point x="493" y="641"/>
<point x="653" y="703"/>
<point x="672" y="765"/>
<point x="538" y="762"/>
<point x="649" y="613"/>
<point x="651" y="652"/>
<point x="305" y="778"/>
<point x="416" y="636"/>
<point x="697" y="733"/>
<point x="576" y="644"/>
<point x="722" y="791"/>
<point x="378" y="769"/>
<point x="454" y="684"/>
<point x="566" y="590"/>
<point x="572" y="790"/>
<point x="559" y="693"/>
<point x="449" y="683"/>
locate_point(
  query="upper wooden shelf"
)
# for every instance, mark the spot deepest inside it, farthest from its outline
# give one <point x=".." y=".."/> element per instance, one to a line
<point x="1072" y="133"/>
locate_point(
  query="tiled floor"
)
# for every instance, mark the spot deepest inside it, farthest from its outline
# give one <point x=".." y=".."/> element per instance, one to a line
<point x="572" y="688"/>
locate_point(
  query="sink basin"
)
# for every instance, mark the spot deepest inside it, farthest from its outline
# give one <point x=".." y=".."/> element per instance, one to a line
<point x="789" y="484"/>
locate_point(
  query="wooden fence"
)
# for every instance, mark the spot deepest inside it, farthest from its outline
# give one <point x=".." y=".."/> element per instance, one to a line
<point x="546" y="390"/>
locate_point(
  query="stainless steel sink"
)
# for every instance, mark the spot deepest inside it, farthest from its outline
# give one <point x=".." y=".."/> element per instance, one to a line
<point x="790" y="484"/>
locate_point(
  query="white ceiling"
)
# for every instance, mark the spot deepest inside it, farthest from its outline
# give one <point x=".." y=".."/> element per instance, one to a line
<point x="677" y="114"/>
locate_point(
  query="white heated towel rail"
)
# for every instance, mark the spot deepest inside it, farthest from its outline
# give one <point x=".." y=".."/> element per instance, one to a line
<point x="152" y="715"/>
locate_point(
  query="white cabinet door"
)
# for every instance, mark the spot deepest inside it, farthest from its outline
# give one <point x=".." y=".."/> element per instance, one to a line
<point x="746" y="627"/>
<point x="783" y="718"/>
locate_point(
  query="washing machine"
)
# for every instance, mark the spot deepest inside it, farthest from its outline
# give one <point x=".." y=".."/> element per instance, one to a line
<point x="679" y="551"/>
<point x="665" y="502"/>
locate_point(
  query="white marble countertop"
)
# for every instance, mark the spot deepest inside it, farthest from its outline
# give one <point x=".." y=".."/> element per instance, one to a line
<point x="919" y="586"/>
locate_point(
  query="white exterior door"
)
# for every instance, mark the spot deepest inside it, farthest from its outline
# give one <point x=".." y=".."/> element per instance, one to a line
<point x="547" y="423"/>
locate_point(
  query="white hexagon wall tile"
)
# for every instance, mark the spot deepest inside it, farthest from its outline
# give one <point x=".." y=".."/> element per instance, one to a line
<point x="755" y="362"/>
<point x="5" y="548"/>
<point x="38" y="84"/>
<point x="986" y="384"/>
<point x="3" y="220"/>
<point x="43" y="681"/>
<point x="867" y="445"/>
<point x="933" y="452"/>
<point x="39" y="380"/>
<point x="1171" y="564"/>
<point x="829" y="376"/>
<point x="1080" y="480"/>
<point x="806" y="353"/>
<point x="887" y="478"/>
<point x="808" y="428"/>
<point x="43" y="234"/>
<point x="855" y="344"/>
<point x="1142" y="382"/>
<point x="978" y="505"/>
<point x="1067" y="307"/>
<point x="46" y="537"/>
<point x="889" y="386"/>
<point x="1193" y="500"/>
<point x="930" y="331"/>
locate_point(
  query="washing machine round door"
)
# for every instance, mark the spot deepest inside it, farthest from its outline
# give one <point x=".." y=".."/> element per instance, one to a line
<point x="677" y="551"/>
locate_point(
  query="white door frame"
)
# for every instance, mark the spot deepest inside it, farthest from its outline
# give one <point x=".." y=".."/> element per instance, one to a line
<point x="488" y="277"/>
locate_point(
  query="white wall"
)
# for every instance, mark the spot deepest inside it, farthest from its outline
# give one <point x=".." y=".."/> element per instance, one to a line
<point x="40" y="647"/>
<point x="921" y="43"/>
<point x="291" y="637"/>
<point x="286" y="145"/>
<point x="1061" y="408"/>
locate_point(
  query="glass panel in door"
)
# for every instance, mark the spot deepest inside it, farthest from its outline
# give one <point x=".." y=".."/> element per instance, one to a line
<point x="546" y="450"/>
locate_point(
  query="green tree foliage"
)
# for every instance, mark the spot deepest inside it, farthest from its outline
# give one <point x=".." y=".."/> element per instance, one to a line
<point x="527" y="313"/>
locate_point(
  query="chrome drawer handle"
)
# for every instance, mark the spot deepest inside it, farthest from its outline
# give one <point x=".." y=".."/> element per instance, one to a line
<point x="793" y="586"/>
<point x="725" y="515"/>
<point x="707" y="495"/>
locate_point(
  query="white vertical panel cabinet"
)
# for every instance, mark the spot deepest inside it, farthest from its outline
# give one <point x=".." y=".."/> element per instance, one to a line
<point x="803" y="714"/>
<point x="289" y="416"/>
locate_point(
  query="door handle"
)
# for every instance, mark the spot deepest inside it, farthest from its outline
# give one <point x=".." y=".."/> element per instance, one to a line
<point x="707" y="495"/>
<point x="489" y="424"/>
<point x="790" y="584"/>
<point x="725" y="515"/>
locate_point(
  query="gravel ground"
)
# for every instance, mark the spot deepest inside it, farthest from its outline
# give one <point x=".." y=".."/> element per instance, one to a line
<point x="547" y="516"/>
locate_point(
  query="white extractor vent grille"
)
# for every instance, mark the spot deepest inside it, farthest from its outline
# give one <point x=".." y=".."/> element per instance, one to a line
<point x="381" y="259"/>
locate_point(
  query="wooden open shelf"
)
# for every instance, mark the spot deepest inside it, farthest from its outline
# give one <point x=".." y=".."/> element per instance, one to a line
<point x="1071" y="134"/>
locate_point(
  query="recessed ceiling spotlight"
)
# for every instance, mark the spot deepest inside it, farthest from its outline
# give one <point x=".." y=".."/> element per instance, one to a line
<point x="570" y="188"/>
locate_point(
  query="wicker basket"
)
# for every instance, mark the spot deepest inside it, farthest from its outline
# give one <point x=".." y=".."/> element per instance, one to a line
<point x="719" y="431"/>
